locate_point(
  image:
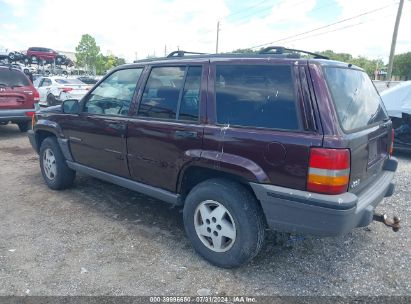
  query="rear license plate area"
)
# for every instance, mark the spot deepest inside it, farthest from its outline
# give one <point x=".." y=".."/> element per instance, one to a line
<point x="372" y="152"/>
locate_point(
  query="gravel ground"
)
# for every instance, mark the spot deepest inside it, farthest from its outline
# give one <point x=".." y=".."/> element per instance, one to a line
<point x="100" y="239"/>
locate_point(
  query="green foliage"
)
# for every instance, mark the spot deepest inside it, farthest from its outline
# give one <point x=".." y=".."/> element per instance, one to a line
<point x="402" y="65"/>
<point x="87" y="51"/>
<point x="106" y="63"/>
<point x="368" y="65"/>
<point x="88" y="54"/>
<point x="245" y="51"/>
<point x="344" y="57"/>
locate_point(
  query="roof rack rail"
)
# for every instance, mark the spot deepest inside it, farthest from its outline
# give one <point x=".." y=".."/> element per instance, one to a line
<point x="283" y="50"/>
<point x="182" y="54"/>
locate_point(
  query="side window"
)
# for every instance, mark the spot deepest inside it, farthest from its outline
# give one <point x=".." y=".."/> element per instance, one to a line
<point x="191" y="96"/>
<point x="256" y="96"/>
<point x="46" y="82"/>
<point x="162" y="91"/>
<point x="169" y="89"/>
<point x="114" y="95"/>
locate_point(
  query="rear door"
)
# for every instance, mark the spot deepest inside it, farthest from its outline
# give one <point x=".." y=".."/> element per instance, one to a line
<point x="166" y="133"/>
<point x="15" y="90"/>
<point x="363" y="120"/>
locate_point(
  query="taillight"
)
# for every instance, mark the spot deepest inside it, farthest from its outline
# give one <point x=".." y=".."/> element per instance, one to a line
<point x="329" y="170"/>
<point x="30" y="113"/>
<point x="392" y="141"/>
<point x="36" y="96"/>
<point x="65" y="90"/>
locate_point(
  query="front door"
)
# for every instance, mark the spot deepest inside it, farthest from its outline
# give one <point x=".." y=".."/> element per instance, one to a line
<point x="166" y="132"/>
<point x="97" y="136"/>
<point x="43" y="89"/>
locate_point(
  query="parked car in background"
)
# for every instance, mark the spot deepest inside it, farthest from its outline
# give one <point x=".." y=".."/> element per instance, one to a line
<point x="88" y="79"/>
<point x="53" y="90"/>
<point x="9" y="54"/>
<point x="17" y="98"/>
<point x="37" y="54"/>
<point x="397" y="101"/>
<point x="243" y="142"/>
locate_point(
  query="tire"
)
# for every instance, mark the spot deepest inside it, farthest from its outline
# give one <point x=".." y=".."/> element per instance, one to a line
<point x="12" y="56"/>
<point x="24" y="126"/>
<point x="242" y="220"/>
<point x="34" y="59"/>
<point x="56" y="173"/>
<point x="51" y="100"/>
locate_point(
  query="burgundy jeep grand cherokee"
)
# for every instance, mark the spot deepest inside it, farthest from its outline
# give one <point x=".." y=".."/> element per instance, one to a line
<point x="243" y="142"/>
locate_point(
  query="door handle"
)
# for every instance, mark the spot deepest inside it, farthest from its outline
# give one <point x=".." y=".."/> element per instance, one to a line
<point x="75" y="139"/>
<point x="118" y="126"/>
<point x="186" y="134"/>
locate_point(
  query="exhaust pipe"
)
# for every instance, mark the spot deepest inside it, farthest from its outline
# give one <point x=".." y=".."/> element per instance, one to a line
<point x="394" y="223"/>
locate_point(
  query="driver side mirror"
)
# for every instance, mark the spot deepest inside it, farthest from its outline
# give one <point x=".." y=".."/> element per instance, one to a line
<point x="70" y="106"/>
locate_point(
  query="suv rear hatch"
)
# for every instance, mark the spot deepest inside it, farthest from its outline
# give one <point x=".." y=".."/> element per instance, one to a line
<point x="16" y="91"/>
<point x="364" y="121"/>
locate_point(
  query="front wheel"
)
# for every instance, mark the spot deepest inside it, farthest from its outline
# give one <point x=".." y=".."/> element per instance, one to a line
<point x="224" y="222"/>
<point x="54" y="169"/>
<point x="51" y="100"/>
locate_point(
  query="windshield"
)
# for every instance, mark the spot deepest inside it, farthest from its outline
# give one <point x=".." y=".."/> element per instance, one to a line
<point x="356" y="100"/>
<point x="69" y="81"/>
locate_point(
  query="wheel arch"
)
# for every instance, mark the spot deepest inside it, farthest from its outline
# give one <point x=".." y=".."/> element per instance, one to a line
<point x="196" y="174"/>
<point x="41" y="135"/>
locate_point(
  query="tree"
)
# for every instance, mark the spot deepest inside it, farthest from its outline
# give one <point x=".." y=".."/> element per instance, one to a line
<point x="87" y="52"/>
<point x="344" y="57"/>
<point x="106" y="63"/>
<point x="402" y="65"/>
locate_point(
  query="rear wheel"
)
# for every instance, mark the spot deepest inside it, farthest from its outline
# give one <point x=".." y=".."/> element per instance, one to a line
<point x="54" y="169"/>
<point x="224" y="222"/>
<point x="34" y="59"/>
<point x="12" y="56"/>
<point x="24" y="126"/>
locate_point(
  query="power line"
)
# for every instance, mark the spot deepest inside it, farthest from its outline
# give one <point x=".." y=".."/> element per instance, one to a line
<point x="295" y="4"/>
<point x="245" y="9"/>
<point x="258" y="11"/>
<point x="335" y="30"/>
<point x="326" y="26"/>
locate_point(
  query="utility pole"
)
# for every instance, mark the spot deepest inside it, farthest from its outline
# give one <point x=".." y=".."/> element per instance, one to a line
<point x="165" y="50"/>
<point x="218" y="32"/>
<point x="394" y="40"/>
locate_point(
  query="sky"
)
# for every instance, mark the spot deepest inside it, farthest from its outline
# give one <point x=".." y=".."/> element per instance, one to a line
<point x="137" y="29"/>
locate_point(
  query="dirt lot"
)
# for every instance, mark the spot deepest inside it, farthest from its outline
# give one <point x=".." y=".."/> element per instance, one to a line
<point x="100" y="239"/>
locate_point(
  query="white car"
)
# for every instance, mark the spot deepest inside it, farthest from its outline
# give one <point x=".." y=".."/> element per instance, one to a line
<point x="54" y="90"/>
<point x="397" y="101"/>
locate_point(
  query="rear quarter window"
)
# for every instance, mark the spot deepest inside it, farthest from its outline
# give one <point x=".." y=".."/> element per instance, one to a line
<point x="259" y="96"/>
<point x="13" y="78"/>
<point x="356" y="100"/>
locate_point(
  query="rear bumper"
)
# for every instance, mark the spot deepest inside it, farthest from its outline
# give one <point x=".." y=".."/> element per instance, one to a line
<point x="298" y="211"/>
<point x="15" y="115"/>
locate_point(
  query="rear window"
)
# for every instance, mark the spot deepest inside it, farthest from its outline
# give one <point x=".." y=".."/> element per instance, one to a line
<point x="13" y="78"/>
<point x="356" y="100"/>
<point x="259" y="96"/>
